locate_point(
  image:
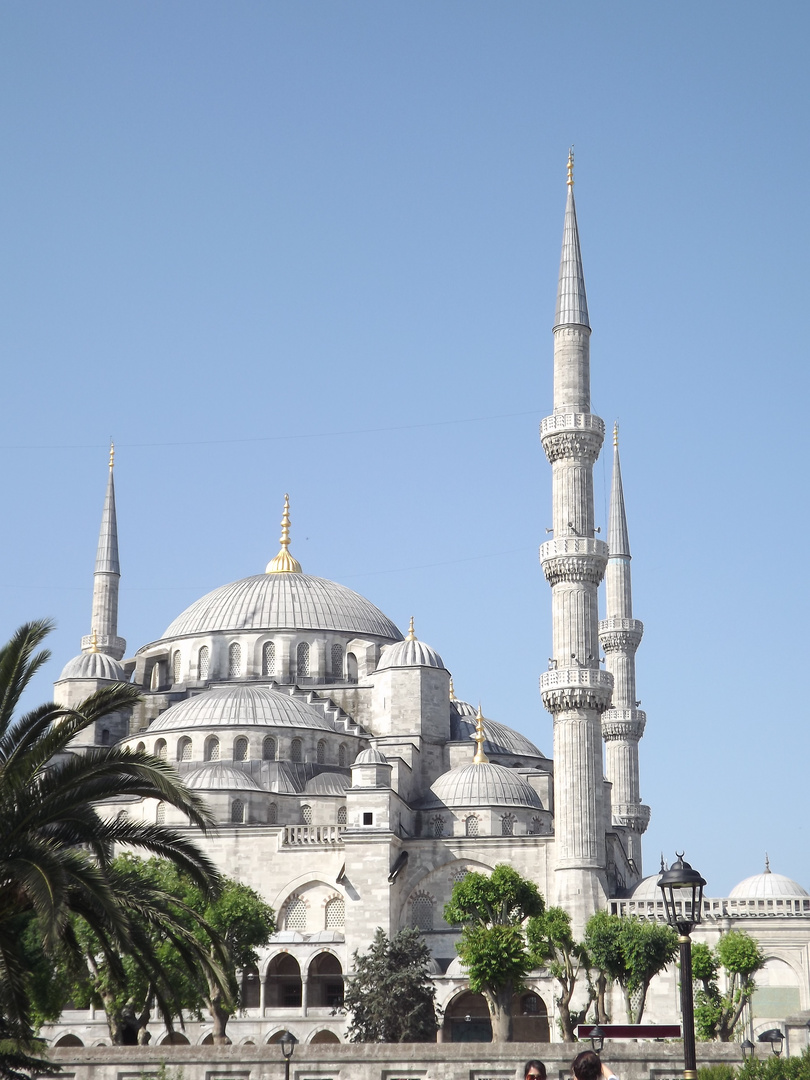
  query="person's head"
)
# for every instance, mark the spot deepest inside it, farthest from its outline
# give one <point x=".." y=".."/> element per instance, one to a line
<point x="587" y="1066"/>
<point x="534" y="1069"/>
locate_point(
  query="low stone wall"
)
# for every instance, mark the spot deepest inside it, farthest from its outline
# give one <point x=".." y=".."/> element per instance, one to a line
<point x="374" y="1061"/>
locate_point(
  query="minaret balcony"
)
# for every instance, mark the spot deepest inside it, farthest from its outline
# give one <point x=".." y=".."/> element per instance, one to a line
<point x="623" y="725"/>
<point x="576" y="436"/>
<point x="106" y="643"/>
<point x="574" y="558"/>
<point x="566" y="689"/>
<point x="635" y="816"/>
<point x="620" y="635"/>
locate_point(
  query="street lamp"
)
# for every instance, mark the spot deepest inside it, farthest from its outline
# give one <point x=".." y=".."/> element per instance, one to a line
<point x="682" y="888"/>
<point x="775" y="1037"/>
<point x="597" y="1039"/>
<point x="287" y="1041"/>
<point x="747" y="1048"/>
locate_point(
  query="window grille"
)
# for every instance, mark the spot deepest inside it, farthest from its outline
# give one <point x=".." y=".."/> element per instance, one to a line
<point x="235" y="660"/>
<point x="507" y="825"/>
<point x="176" y="667"/>
<point x="160" y="814"/>
<point x="237" y="812"/>
<point x="422" y="913"/>
<point x="296" y="752"/>
<point x="212" y="750"/>
<point x="343" y="757"/>
<point x="240" y="749"/>
<point x="302" y="655"/>
<point x="321" y="754"/>
<point x="185" y="750"/>
<point x="342" y="815"/>
<point x="202" y="662"/>
<point x="306" y="814"/>
<point x="337" y="661"/>
<point x="296" y="916"/>
<point x="335" y="914"/>
<point x="472" y="825"/>
<point x="269" y="749"/>
<point x="536" y="826"/>
<point x="272" y="814"/>
<point x="160" y="749"/>
<point x="438" y="826"/>
<point x="269" y="658"/>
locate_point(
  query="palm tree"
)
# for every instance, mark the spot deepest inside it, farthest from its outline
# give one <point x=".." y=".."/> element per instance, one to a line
<point x="57" y="843"/>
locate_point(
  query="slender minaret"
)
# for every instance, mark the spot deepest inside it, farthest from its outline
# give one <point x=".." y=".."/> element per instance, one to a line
<point x="575" y="691"/>
<point x="620" y="634"/>
<point x="104" y="622"/>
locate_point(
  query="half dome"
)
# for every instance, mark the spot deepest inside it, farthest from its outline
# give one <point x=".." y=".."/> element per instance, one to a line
<point x="484" y="784"/>
<point x="283" y="602"/>
<point x="500" y="739"/>
<point x="219" y="776"/>
<point x="93" y="665"/>
<point x="240" y="706"/>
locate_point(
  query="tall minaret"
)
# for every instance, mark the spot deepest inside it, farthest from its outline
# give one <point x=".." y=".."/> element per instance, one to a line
<point x="620" y="634"/>
<point x="575" y="690"/>
<point x="103" y="636"/>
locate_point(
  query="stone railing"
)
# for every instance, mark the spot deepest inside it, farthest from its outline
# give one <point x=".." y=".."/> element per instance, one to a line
<point x="623" y="724"/>
<point x="312" y="835"/>
<point x="724" y="908"/>
<point x="577" y="421"/>
<point x="574" y="558"/>
<point x="576" y="688"/>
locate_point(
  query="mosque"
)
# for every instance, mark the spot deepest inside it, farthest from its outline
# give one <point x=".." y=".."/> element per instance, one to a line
<point x="353" y="789"/>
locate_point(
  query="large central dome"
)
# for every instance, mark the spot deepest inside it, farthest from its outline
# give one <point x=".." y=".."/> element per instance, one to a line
<point x="284" y="602"/>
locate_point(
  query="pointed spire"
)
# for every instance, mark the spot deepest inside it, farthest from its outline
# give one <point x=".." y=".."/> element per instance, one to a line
<point x="107" y="553"/>
<point x="480" y="738"/>
<point x="572" y="304"/>
<point x="411" y="634"/>
<point x="618" y="538"/>
<point x="452" y="690"/>
<point x="284" y="563"/>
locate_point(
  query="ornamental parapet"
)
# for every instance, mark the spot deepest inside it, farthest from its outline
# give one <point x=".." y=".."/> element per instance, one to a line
<point x="635" y="816"/>
<point x="620" y="635"/>
<point x="623" y="724"/>
<point x="572" y="435"/>
<point x="564" y="689"/>
<point x="574" y="558"/>
<point x="312" y="835"/>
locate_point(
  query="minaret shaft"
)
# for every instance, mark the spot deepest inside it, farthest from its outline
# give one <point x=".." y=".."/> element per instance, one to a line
<point x="106" y="579"/>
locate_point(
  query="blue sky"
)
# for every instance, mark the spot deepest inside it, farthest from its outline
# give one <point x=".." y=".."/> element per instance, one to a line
<point x="313" y="248"/>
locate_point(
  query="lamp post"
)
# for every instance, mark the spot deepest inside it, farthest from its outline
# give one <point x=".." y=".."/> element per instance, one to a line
<point x="775" y="1037"/>
<point x="287" y="1041"/>
<point x="682" y="888"/>
<point x="747" y="1048"/>
<point x="597" y="1039"/>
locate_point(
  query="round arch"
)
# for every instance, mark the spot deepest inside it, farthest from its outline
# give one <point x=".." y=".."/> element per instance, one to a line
<point x="466" y="1018"/>
<point x="325" y="981"/>
<point x="68" y="1039"/>
<point x="283" y="983"/>
<point x="324" y="1036"/>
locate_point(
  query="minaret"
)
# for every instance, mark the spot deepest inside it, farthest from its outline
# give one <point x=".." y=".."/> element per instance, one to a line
<point x="620" y="634"/>
<point x="104" y="622"/>
<point x="575" y="690"/>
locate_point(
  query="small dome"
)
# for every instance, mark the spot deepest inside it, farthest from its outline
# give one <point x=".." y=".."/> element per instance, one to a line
<point x="218" y="776"/>
<point x="241" y="706"/>
<point x="93" y="665"/>
<point x="483" y="785"/>
<point x="647" y="889"/>
<point x="370" y="757"/>
<point x="463" y="708"/>
<point x="767" y="885"/>
<point x="409" y="653"/>
<point x="327" y="783"/>
<point x="500" y="740"/>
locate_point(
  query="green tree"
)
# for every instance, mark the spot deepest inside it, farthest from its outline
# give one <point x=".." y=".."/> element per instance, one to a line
<point x="390" y="994"/>
<point x="553" y="946"/>
<point x="740" y="957"/>
<point x="492" y="911"/>
<point x="630" y="952"/>
<point x="604" y="949"/>
<point x="57" y="839"/>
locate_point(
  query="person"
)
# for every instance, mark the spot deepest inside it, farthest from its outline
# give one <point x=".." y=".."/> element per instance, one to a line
<point x="534" y="1070"/>
<point x="589" y="1066"/>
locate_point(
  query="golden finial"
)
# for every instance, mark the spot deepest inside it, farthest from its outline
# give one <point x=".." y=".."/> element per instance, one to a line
<point x="452" y="691"/>
<point x="112" y="453"/>
<point x="571" y="167"/>
<point x="616" y="433"/>
<point x="479" y="738"/>
<point x="94" y="641"/>
<point x="411" y="635"/>
<point x="284" y="563"/>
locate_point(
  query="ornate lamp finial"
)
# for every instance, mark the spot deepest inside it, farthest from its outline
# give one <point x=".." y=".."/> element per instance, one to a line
<point x="616" y="433"/>
<point x="94" y="641"/>
<point x="112" y="453"/>
<point x="767" y="864"/>
<point x="452" y="690"/>
<point x="284" y="563"/>
<point x="411" y="635"/>
<point x="479" y="738"/>
<point x="571" y="167"/>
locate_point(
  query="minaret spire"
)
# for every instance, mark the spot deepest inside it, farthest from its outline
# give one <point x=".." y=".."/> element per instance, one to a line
<point x="284" y="563"/>
<point x="619" y="635"/>
<point x="106" y="579"/>
<point x="576" y="691"/>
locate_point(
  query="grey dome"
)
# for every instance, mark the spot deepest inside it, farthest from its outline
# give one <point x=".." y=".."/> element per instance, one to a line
<point x="327" y="783"/>
<point x="218" y="776"/>
<point x="767" y="885"/>
<point x="240" y="706"/>
<point x="500" y="739"/>
<point x="484" y="785"/>
<point x="370" y="757"/>
<point x="463" y="708"/>
<point x="647" y="889"/>
<point x="409" y="653"/>
<point x="283" y="602"/>
<point x="93" y="665"/>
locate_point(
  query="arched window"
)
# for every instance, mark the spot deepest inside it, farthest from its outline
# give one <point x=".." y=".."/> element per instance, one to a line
<point x="321" y="752"/>
<point x="530" y="1005"/>
<point x="160" y="749"/>
<point x="202" y="662"/>
<point x="536" y="826"/>
<point x="122" y="816"/>
<point x="212" y="749"/>
<point x="272" y="814"/>
<point x="337" y="661"/>
<point x="507" y="825"/>
<point x="342" y="815"/>
<point x="140" y="748"/>
<point x="160" y="814"/>
<point x="351" y="667"/>
<point x="283" y="987"/>
<point x="437" y="825"/>
<point x="240" y="749"/>
<point x="269" y="658"/>
<point x="269" y="749"/>
<point x="296" y="914"/>
<point x="306" y="814"/>
<point x="184" y="749"/>
<point x="302" y="659"/>
<point x="176" y="667"/>
<point x="154" y="683"/>
<point x="343" y="755"/>
<point x="471" y="825"/>
<point x="105" y="736"/>
<point x="237" y="812"/>
<point x="234" y="660"/>
<point x="422" y="913"/>
<point x="335" y="913"/>
<point x="296" y="753"/>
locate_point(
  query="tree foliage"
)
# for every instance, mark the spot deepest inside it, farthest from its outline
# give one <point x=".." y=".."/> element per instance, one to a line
<point x="492" y="911"/>
<point x="630" y="952"/>
<point x="740" y="957"/>
<point x="390" y="994"/>
<point x="553" y="946"/>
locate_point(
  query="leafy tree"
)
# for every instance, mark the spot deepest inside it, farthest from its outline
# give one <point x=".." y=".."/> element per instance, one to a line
<point x="493" y="947"/>
<point x="553" y="947"/>
<point x="56" y="841"/>
<point x="390" y="995"/>
<point x="717" y="1014"/>
<point x="604" y="950"/>
<point x="630" y="952"/>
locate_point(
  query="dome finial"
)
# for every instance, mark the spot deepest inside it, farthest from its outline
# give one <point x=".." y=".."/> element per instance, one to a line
<point x="767" y="864"/>
<point x="479" y="738"/>
<point x="411" y="634"/>
<point x="570" y="180"/>
<point x="112" y="453"/>
<point x="284" y="563"/>
<point x="452" y="690"/>
<point x="616" y="433"/>
<point x="94" y="641"/>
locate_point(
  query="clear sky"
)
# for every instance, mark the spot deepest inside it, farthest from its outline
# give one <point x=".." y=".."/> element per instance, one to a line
<point x="313" y="247"/>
